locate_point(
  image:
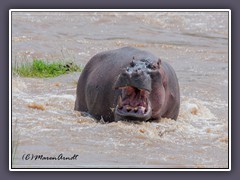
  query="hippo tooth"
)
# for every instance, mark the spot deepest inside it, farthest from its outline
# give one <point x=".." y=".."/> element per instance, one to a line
<point x="112" y="109"/>
<point x="136" y="109"/>
<point x="120" y="102"/>
<point x="128" y="107"/>
<point x="142" y="109"/>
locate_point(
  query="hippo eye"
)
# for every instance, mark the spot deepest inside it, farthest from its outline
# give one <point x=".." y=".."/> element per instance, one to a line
<point x="154" y="67"/>
<point x="151" y="66"/>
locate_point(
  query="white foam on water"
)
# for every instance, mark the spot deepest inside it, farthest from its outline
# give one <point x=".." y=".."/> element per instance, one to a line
<point x="18" y="85"/>
<point x="195" y="123"/>
<point x="192" y="108"/>
<point x="63" y="96"/>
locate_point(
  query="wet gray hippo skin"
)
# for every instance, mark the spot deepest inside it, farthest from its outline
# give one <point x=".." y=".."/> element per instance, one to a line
<point x="128" y="84"/>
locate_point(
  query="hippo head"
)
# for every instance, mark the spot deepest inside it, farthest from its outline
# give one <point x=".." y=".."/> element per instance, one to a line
<point x="135" y="83"/>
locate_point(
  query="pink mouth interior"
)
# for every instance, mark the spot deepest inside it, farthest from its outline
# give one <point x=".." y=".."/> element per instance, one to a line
<point x="133" y="100"/>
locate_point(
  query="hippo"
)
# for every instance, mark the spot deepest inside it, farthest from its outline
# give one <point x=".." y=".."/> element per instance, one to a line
<point x="128" y="84"/>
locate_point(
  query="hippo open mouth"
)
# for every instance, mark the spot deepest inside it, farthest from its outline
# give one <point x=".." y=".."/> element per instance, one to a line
<point x="128" y="84"/>
<point x="133" y="104"/>
<point x="135" y="85"/>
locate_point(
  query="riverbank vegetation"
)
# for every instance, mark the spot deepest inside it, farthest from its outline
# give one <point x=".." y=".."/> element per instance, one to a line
<point x="42" y="69"/>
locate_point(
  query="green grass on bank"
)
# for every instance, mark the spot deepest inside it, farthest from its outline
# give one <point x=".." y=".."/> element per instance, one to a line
<point x="41" y="69"/>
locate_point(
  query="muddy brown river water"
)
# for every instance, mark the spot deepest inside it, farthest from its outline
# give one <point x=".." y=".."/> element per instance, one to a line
<point x="194" y="43"/>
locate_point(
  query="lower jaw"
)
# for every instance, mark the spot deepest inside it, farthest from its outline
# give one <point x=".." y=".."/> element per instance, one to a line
<point x="128" y="117"/>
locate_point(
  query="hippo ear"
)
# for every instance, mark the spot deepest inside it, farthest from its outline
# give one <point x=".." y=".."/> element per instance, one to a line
<point x="159" y="63"/>
<point x="133" y="63"/>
